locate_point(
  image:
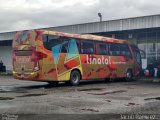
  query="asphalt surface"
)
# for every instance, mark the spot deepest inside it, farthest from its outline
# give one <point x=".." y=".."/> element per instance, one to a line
<point x="28" y="100"/>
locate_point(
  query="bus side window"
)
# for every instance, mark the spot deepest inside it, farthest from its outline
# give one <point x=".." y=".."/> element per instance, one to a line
<point x="74" y="46"/>
<point x="114" y="49"/>
<point x="64" y="41"/>
<point x="102" y="48"/>
<point x="45" y="40"/>
<point x="87" y="47"/>
<point x="125" y="51"/>
<point x="78" y="44"/>
<point x="53" y="40"/>
<point x="64" y="47"/>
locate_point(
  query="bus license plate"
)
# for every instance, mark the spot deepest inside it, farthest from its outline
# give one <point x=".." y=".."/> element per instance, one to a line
<point x="23" y="59"/>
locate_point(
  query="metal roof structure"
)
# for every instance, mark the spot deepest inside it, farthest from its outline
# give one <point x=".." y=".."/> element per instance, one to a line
<point x="152" y="21"/>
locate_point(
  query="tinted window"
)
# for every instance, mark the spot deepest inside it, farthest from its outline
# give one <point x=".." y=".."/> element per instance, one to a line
<point x="73" y="46"/>
<point x="70" y="45"/>
<point x="50" y="41"/>
<point x="53" y="40"/>
<point x="125" y="51"/>
<point x="45" y="40"/>
<point x="102" y="48"/>
<point x="87" y="47"/>
<point x="64" y="42"/>
<point x="114" y="49"/>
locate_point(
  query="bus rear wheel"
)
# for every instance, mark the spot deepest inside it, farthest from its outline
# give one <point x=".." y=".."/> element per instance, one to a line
<point x="75" y="77"/>
<point x="129" y="75"/>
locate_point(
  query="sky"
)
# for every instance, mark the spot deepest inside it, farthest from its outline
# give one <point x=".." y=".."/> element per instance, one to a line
<point x="31" y="14"/>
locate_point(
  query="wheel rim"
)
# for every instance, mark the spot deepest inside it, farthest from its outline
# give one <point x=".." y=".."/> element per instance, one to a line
<point x="75" y="77"/>
<point x="129" y="75"/>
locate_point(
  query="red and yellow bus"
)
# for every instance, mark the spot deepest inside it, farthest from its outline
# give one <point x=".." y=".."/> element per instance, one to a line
<point x="51" y="56"/>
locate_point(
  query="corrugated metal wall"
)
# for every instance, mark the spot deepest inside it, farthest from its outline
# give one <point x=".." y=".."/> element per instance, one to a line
<point x="114" y="25"/>
<point x="105" y="26"/>
<point x="6" y="36"/>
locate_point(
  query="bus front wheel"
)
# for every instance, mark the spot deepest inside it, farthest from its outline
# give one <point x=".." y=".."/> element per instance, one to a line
<point x="129" y="75"/>
<point x="75" y="77"/>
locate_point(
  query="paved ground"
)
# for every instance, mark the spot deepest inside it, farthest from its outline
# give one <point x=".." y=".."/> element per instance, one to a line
<point x="92" y="100"/>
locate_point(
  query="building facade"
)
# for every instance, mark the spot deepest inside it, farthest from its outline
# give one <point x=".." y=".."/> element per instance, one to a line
<point x="143" y="31"/>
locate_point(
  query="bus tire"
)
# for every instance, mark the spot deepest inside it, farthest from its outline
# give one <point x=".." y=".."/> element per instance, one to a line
<point x="129" y="75"/>
<point x="75" y="77"/>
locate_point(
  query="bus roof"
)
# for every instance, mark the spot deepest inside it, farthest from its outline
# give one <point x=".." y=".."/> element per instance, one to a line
<point x="86" y="36"/>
